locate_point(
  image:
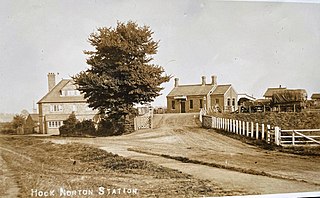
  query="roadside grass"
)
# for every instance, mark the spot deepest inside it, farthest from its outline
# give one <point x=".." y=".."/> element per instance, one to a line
<point x="42" y="165"/>
<point x="216" y="165"/>
<point x="299" y="150"/>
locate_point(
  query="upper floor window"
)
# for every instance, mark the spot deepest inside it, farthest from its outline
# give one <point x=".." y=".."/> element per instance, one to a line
<point x="56" y="108"/>
<point x="191" y="104"/>
<point x="233" y="101"/>
<point x="70" y="93"/>
<point x="228" y="102"/>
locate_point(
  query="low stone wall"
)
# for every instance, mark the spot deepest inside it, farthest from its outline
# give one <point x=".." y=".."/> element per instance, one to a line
<point x="285" y="120"/>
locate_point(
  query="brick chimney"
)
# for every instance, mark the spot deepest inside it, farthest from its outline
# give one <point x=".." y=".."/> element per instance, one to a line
<point x="51" y="80"/>
<point x="176" y="82"/>
<point x="203" y="80"/>
<point x="214" y="80"/>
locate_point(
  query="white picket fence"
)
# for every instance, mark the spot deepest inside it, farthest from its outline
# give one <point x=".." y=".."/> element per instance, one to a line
<point x="263" y="132"/>
<point x="249" y="129"/>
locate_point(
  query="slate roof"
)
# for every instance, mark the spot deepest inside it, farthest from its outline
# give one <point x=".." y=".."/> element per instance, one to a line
<point x="315" y="96"/>
<point x="196" y="90"/>
<point x="221" y="89"/>
<point x="271" y="91"/>
<point x="54" y="96"/>
<point x="191" y="90"/>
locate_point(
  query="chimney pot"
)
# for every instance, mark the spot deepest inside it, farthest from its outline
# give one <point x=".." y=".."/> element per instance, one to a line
<point x="203" y="80"/>
<point x="176" y="82"/>
<point x="51" y="81"/>
<point x="214" y="80"/>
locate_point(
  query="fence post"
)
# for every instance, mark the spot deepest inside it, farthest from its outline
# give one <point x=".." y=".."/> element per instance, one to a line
<point x="293" y="138"/>
<point x="237" y="125"/>
<point x="223" y="123"/>
<point x="228" y="125"/>
<point x="257" y="130"/>
<point x="252" y="129"/>
<point x="268" y="133"/>
<point x="262" y="131"/>
<point x="244" y="128"/>
<point x="277" y="135"/>
<point x="240" y="127"/>
<point x="247" y="128"/>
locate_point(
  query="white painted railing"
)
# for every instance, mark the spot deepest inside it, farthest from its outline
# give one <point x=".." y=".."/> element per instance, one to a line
<point x="265" y="132"/>
<point x="249" y="129"/>
<point x="300" y="137"/>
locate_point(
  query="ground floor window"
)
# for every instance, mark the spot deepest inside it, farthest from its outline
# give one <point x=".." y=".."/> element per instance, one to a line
<point x="201" y="103"/>
<point x="55" y="124"/>
<point x="173" y="104"/>
<point x="191" y="104"/>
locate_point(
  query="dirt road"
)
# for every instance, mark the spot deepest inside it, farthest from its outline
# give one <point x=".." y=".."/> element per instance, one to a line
<point x="179" y="136"/>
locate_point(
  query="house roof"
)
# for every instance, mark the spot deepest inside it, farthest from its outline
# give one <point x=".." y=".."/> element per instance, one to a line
<point x="244" y="95"/>
<point x="54" y="95"/>
<point x="271" y="91"/>
<point x="196" y="90"/>
<point x="191" y="90"/>
<point x="315" y="96"/>
<point x="221" y="89"/>
<point x="34" y="116"/>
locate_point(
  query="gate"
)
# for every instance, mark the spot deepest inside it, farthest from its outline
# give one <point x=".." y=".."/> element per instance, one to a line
<point x="144" y="121"/>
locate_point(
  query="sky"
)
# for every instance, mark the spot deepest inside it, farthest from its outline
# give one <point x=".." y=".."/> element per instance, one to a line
<point x="252" y="45"/>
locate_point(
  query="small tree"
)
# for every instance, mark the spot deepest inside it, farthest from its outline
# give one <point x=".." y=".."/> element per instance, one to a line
<point x="121" y="73"/>
<point x="18" y="121"/>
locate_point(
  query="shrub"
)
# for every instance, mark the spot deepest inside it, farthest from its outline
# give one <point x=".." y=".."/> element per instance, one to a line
<point x="72" y="127"/>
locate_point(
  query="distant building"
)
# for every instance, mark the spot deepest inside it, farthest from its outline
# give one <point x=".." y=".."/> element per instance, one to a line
<point x="61" y="100"/>
<point x="270" y="91"/>
<point x="242" y="98"/>
<point x="32" y="124"/>
<point x="192" y="98"/>
<point x="315" y="96"/>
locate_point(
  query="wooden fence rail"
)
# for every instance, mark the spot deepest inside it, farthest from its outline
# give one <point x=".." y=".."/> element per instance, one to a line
<point x="265" y="132"/>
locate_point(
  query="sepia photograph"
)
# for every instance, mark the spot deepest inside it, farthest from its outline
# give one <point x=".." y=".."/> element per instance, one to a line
<point x="160" y="98"/>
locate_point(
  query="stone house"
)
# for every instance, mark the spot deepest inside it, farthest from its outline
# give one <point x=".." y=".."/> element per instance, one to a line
<point x="192" y="98"/>
<point x="61" y="100"/>
<point x="32" y="124"/>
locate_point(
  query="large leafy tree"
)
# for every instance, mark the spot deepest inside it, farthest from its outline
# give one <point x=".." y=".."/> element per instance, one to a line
<point x="120" y="71"/>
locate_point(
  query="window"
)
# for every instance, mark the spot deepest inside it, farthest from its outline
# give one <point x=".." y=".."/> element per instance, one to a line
<point x="70" y="93"/>
<point x="228" y="103"/>
<point x="233" y="101"/>
<point x="191" y="104"/>
<point x="201" y="103"/>
<point x="217" y="101"/>
<point x="55" y="108"/>
<point x="54" y="124"/>
<point x="173" y="104"/>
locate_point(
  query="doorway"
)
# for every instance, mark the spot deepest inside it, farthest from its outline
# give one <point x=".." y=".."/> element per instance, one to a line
<point x="183" y="106"/>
